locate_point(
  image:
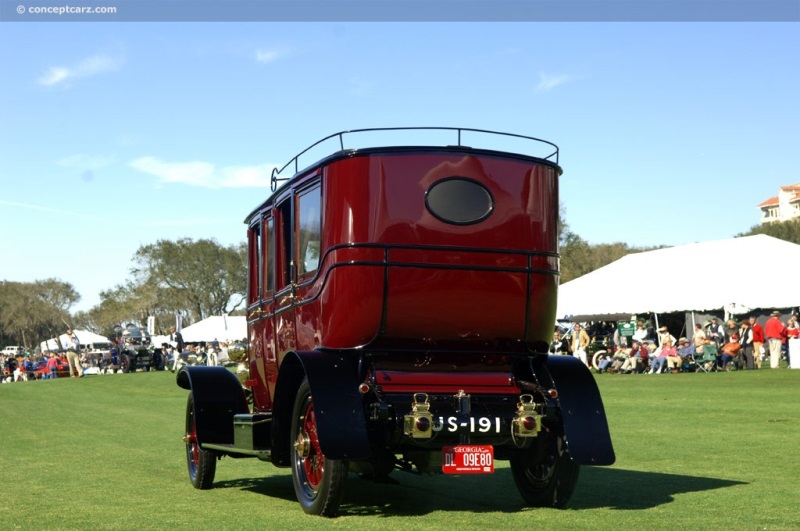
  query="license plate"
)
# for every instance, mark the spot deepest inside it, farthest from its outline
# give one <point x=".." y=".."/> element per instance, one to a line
<point x="468" y="459"/>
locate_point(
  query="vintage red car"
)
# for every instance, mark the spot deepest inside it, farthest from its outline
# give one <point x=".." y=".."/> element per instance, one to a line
<point x="42" y="372"/>
<point x="400" y="303"/>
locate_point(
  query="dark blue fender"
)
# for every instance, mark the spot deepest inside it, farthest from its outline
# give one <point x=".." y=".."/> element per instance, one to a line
<point x="585" y="424"/>
<point x="218" y="396"/>
<point x="338" y="405"/>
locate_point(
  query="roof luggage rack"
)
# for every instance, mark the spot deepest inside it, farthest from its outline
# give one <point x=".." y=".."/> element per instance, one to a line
<point x="276" y="173"/>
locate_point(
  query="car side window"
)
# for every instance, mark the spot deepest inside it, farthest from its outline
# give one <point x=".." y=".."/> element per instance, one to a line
<point x="309" y="236"/>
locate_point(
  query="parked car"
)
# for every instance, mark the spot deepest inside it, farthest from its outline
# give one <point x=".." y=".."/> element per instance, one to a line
<point x="12" y="351"/>
<point x="136" y="351"/>
<point x="401" y="301"/>
<point x="42" y="372"/>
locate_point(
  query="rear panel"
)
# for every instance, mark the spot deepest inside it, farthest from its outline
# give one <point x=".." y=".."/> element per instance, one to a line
<point x="418" y="267"/>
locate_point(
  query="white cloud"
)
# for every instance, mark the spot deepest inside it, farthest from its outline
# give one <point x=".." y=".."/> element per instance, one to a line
<point x="266" y="56"/>
<point x="63" y="75"/>
<point x="549" y="82"/>
<point x="205" y="174"/>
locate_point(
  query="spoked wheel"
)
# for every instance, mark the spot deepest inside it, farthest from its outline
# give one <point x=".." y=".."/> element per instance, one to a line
<point x="202" y="463"/>
<point x="125" y="363"/>
<point x="318" y="482"/>
<point x="545" y="475"/>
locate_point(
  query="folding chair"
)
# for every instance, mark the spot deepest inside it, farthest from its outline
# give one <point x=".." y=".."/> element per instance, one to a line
<point x="707" y="360"/>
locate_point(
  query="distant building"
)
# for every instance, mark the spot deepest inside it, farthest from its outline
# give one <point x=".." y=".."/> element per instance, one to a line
<point x="782" y="207"/>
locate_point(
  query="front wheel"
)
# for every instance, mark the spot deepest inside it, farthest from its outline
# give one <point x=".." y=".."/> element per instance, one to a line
<point x="202" y="463"/>
<point x="545" y="474"/>
<point x="318" y="482"/>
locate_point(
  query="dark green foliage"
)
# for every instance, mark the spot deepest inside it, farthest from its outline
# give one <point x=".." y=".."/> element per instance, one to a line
<point x="784" y="230"/>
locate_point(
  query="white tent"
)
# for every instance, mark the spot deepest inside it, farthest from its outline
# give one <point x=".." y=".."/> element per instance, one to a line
<point x="86" y="339"/>
<point x="218" y="327"/>
<point x="737" y="275"/>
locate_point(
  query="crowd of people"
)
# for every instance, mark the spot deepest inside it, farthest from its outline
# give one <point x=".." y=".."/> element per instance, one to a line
<point x="74" y="362"/>
<point x="745" y="345"/>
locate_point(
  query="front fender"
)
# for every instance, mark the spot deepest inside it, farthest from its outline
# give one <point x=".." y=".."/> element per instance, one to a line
<point x="585" y="423"/>
<point x="341" y="422"/>
<point x="218" y="396"/>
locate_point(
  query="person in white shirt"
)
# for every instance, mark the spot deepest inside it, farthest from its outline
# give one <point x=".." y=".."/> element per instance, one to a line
<point x="73" y="355"/>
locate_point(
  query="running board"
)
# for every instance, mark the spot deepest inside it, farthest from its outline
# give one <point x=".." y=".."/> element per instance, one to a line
<point x="229" y="449"/>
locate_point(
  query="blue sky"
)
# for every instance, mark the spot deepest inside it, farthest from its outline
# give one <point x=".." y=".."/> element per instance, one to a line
<point x="115" y="135"/>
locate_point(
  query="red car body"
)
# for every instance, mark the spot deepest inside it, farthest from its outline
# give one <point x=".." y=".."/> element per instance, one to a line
<point x="400" y="304"/>
<point x="43" y="372"/>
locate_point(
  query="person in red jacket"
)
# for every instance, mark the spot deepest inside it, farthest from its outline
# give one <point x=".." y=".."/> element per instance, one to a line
<point x="775" y="331"/>
<point x="52" y="365"/>
<point x="758" y="341"/>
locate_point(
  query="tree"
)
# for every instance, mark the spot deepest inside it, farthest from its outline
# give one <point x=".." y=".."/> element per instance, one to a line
<point x="34" y="311"/>
<point x="201" y="278"/>
<point x="784" y="230"/>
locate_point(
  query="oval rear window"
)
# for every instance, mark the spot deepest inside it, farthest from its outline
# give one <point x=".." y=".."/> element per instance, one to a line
<point x="459" y="200"/>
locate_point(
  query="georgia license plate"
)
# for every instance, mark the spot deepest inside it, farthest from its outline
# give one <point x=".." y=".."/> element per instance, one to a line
<point x="468" y="459"/>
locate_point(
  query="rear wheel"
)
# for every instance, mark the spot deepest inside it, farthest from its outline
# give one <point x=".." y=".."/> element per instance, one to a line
<point x="202" y="463"/>
<point x="545" y="475"/>
<point x="596" y="359"/>
<point x="125" y="363"/>
<point x="318" y="482"/>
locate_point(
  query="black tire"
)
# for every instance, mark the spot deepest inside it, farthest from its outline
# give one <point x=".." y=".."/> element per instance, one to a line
<point x="318" y="482"/>
<point x="125" y="363"/>
<point x="545" y="475"/>
<point x="202" y="463"/>
<point x="158" y="361"/>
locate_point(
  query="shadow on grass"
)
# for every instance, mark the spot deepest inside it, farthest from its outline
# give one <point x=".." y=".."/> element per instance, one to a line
<point x="412" y="495"/>
<point x="631" y="490"/>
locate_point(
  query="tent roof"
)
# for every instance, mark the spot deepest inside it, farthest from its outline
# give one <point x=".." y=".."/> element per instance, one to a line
<point x="218" y="327"/>
<point x="738" y="274"/>
<point x="84" y="338"/>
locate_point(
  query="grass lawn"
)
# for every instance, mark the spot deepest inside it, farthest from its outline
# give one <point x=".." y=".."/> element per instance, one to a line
<point x="694" y="451"/>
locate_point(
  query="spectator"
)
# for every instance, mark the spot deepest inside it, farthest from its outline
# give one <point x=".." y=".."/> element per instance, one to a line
<point x="617" y="361"/>
<point x="73" y="355"/>
<point x="746" y="341"/>
<point x="10" y="366"/>
<point x="758" y="341"/>
<point x="715" y="332"/>
<point x="664" y="335"/>
<point x="730" y="351"/>
<point x="559" y="345"/>
<point x="580" y="344"/>
<point x="640" y="334"/>
<point x="674" y="359"/>
<point x="19" y="372"/>
<point x="667" y="351"/>
<point x="223" y="352"/>
<point x="699" y="339"/>
<point x="793" y="339"/>
<point x="30" y="368"/>
<point x="775" y="332"/>
<point x="52" y="365"/>
<point x="637" y="359"/>
<point x="686" y="351"/>
<point x="176" y="339"/>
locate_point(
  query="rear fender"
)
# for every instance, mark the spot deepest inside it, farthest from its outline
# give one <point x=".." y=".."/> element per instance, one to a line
<point x="585" y="423"/>
<point x="218" y="396"/>
<point x="338" y="405"/>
